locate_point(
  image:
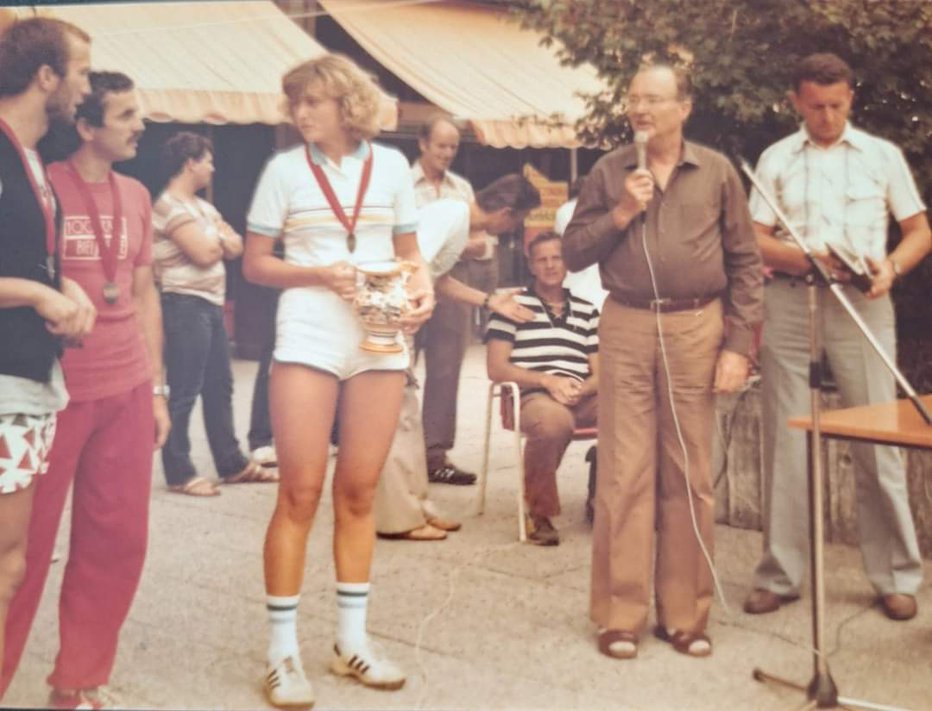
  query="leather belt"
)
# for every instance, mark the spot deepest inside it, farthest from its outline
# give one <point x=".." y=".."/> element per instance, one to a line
<point x="666" y="305"/>
<point x="794" y="278"/>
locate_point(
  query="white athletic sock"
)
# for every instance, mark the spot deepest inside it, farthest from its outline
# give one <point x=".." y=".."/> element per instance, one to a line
<point x="352" y="599"/>
<point x="283" y="629"/>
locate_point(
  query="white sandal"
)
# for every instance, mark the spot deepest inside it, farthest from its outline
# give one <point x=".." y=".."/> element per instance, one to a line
<point x="368" y="668"/>
<point x="286" y="684"/>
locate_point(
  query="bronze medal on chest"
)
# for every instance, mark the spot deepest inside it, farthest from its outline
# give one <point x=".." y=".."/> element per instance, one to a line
<point x="111" y="292"/>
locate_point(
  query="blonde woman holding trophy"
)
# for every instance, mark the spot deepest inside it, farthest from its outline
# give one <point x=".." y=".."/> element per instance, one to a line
<point x="342" y="206"/>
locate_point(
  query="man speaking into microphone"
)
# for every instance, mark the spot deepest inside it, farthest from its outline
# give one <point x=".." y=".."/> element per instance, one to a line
<point x="674" y="241"/>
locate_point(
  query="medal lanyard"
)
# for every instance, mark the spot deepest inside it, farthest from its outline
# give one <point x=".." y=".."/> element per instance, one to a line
<point x="108" y="253"/>
<point x="335" y="206"/>
<point x="44" y="204"/>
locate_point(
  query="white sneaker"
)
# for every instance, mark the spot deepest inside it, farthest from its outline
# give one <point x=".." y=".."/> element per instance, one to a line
<point x="368" y="668"/>
<point x="286" y="685"/>
<point x="265" y="456"/>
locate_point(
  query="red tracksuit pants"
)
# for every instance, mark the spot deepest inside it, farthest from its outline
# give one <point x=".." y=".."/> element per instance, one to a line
<point x="105" y="447"/>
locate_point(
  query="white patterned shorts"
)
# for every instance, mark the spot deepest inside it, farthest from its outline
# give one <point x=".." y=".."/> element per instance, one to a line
<point x="25" y="441"/>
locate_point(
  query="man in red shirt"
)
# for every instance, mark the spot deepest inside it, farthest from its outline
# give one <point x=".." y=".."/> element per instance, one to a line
<point x="115" y="417"/>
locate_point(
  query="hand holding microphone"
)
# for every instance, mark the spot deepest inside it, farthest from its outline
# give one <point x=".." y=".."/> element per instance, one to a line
<point x="639" y="186"/>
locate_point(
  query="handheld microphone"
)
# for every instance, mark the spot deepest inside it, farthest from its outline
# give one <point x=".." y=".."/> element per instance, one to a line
<point x="640" y="145"/>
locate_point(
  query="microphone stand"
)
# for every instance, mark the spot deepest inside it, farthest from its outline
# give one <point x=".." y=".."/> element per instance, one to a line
<point x="821" y="690"/>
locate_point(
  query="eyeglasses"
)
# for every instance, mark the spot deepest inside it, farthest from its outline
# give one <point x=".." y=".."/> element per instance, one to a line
<point x="651" y="100"/>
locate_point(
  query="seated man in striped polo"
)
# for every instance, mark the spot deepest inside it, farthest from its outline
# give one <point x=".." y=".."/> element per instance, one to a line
<point x="554" y="360"/>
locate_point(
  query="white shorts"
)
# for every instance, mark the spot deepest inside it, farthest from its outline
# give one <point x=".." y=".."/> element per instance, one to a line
<point x="25" y="441"/>
<point x="315" y="327"/>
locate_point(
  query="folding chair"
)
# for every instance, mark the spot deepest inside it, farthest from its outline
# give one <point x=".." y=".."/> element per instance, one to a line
<point x="509" y="397"/>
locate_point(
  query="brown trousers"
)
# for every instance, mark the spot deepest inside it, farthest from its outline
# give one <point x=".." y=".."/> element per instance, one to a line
<point x="446" y="336"/>
<point x="641" y="467"/>
<point x="549" y="428"/>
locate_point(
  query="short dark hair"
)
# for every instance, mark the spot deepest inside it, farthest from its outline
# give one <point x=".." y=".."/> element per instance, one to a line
<point x="548" y="236"/>
<point x="181" y="148"/>
<point x="426" y="129"/>
<point x="684" y="81"/>
<point x="93" y="107"/>
<point x="513" y="191"/>
<point x="822" y="68"/>
<point x="27" y="45"/>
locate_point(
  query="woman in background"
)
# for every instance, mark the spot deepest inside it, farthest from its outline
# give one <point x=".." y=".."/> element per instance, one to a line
<point x="191" y="242"/>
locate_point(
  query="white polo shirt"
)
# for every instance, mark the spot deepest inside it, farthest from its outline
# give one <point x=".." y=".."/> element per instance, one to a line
<point x="442" y="232"/>
<point x="289" y="204"/>
<point x="842" y="194"/>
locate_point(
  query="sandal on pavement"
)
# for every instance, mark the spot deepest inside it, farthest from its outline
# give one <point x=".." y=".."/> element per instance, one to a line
<point x="286" y="684"/>
<point x="445" y="524"/>
<point x="618" y="644"/>
<point x="693" y="644"/>
<point x="367" y="668"/>
<point x="73" y="699"/>
<point x="196" y="486"/>
<point x="427" y="532"/>
<point x="252" y="473"/>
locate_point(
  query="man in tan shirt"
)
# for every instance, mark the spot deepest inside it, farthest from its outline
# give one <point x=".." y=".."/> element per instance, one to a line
<point x="677" y="253"/>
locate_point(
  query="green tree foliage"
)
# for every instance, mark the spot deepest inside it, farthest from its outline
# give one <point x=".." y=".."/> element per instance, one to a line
<point x="742" y="54"/>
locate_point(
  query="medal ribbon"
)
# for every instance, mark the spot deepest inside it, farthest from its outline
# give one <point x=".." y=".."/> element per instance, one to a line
<point x="44" y="205"/>
<point x="335" y="206"/>
<point x="108" y="254"/>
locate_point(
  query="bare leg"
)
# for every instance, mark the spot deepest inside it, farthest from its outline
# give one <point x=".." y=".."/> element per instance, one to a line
<point x="303" y="402"/>
<point x="368" y="418"/>
<point x="15" y="511"/>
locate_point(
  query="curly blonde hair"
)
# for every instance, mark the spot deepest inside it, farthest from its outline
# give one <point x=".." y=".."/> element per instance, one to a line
<point x="339" y="78"/>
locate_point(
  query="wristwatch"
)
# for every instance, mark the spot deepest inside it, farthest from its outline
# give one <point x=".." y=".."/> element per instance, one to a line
<point x="160" y="390"/>
<point x="486" y="300"/>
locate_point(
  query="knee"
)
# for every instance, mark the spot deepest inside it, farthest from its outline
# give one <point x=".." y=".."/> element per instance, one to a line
<point x="12" y="572"/>
<point x="299" y="503"/>
<point x="554" y="427"/>
<point x="353" y="499"/>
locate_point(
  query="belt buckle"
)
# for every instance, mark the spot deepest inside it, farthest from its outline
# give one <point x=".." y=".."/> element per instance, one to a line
<point x="657" y="305"/>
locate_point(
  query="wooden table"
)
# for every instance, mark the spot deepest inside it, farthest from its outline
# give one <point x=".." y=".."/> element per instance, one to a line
<point x="895" y="423"/>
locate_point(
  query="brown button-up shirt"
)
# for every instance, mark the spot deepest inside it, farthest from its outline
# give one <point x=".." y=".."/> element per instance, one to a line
<point x="698" y="233"/>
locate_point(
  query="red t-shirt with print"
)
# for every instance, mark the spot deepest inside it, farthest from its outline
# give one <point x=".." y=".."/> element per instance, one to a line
<point x="114" y="358"/>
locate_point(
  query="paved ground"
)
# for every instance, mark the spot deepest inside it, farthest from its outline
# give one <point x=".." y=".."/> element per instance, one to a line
<point x="479" y="621"/>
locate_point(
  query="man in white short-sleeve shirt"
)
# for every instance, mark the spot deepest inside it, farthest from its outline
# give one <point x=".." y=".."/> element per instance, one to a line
<point x="403" y="509"/>
<point x="836" y="184"/>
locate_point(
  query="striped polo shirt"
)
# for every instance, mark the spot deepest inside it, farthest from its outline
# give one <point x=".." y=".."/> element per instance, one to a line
<point x="548" y="344"/>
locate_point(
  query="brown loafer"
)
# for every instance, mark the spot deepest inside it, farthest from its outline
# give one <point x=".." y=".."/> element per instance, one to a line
<point x="761" y="601"/>
<point x="626" y="644"/>
<point x="421" y="533"/>
<point x="899" y="606"/>
<point x="445" y="524"/>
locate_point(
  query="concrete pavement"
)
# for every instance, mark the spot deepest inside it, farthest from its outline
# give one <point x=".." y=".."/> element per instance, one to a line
<point x="478" y="621"/>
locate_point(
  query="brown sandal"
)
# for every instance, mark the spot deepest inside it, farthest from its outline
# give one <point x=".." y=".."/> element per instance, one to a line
<point x="253" y="473"/>
<point x="607" y="638"/>
<point x="421" y="533"/>
<point x="683" y="641"/>
<point x="195" y="486"/>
